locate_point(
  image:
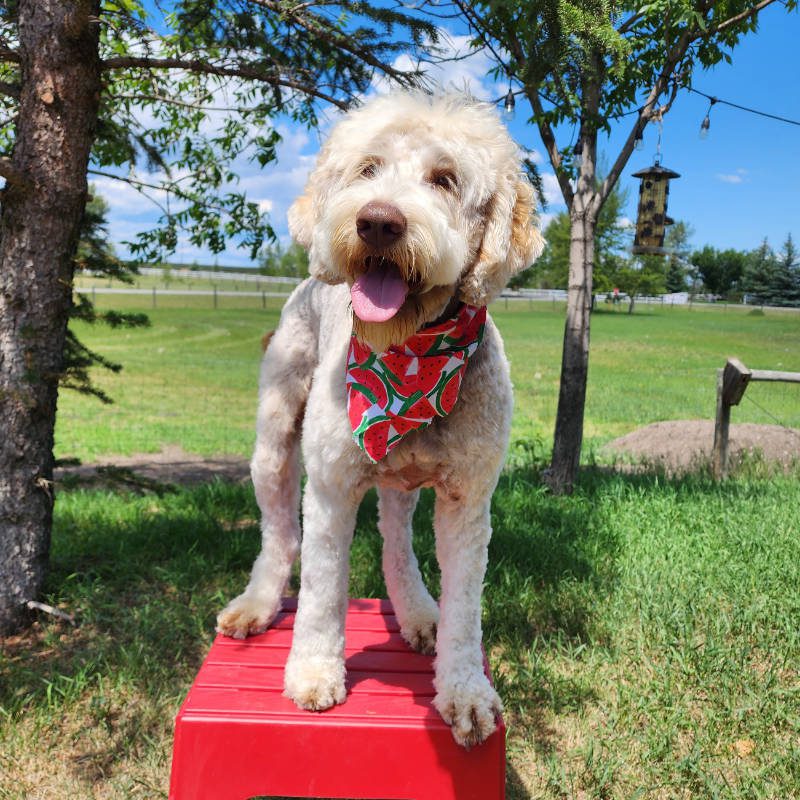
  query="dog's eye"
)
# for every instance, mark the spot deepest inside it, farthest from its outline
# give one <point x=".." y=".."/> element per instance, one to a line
<point x="444" y="180"/>
<point x="369" y="170"/>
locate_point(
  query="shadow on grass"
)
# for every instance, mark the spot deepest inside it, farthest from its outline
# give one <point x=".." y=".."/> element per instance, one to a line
<point x="146" y="574"/>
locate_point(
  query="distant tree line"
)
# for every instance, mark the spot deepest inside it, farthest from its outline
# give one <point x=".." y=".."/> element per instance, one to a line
<point x="760" y="277"/>
<point x="289" y="262"/>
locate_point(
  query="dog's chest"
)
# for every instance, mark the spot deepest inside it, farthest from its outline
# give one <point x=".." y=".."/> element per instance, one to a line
<point x="410" y="475"/>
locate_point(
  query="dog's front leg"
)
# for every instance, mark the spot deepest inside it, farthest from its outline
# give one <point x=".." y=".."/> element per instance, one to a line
<point x="464" y="696"/>
<point x="416" y="610"/>
<point x="315" y="671"/>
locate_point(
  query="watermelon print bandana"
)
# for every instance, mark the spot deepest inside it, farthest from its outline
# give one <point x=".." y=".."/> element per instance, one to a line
<point x="406" y="387"/>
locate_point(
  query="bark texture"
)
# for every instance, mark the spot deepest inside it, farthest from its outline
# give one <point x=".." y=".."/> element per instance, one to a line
<point x="584" y="208"/>
<point x="568" y="437"/>
<point x="39" y="222"/>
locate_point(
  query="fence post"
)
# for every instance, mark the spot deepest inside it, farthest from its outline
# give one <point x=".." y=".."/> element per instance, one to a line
<point x="154" y="297"/>
<point x="731" y="383"/>
<point x="263" y="300"/>
<point x="215" y="295"/>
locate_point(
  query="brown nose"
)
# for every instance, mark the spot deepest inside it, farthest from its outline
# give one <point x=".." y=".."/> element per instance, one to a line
<point x="380" y="224"/>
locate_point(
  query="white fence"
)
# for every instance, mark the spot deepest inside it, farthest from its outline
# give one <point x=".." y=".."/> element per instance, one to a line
<point x="212" y="275"/>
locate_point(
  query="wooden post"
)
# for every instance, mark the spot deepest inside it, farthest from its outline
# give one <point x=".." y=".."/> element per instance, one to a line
<point x="731" y="383"/>
<point x="719" y="459"/>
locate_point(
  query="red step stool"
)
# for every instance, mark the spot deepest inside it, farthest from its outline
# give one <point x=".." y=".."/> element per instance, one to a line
<point x="238" y="737"/>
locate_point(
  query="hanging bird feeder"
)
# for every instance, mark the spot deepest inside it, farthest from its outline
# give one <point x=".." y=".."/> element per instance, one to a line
<point x="651" y="218"/>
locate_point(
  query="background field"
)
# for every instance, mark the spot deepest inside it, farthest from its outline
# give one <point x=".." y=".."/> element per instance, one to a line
<point x="644" y="633"/>
<point x="190" y="378"/>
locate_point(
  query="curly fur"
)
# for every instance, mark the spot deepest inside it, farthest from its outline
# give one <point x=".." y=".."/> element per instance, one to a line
<point x="454" y="173"/>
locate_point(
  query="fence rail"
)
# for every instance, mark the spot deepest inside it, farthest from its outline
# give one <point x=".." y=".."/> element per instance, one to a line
<point x="732" y="381"/>
<point x="211" y="275"/>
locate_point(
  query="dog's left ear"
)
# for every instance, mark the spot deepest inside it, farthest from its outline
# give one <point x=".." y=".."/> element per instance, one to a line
<point x="510" y="244"/>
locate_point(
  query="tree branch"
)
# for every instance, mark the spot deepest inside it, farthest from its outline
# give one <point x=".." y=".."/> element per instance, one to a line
<point x="159" y="98"/>
<point x="317" y="28"/>
<point x="630" y="22"/>
<point x="645" y="113"/>
<point x="750" y="12"/>
<point x="203" y="67"/>
<point x="549" y="141"/>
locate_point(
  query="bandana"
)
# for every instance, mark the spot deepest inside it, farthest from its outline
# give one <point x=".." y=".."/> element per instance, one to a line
<point x="405" y="388"/>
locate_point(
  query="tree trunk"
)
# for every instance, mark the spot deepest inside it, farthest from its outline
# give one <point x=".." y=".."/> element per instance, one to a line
<point x="568" y="438"/>
<point x="39" y="222"/>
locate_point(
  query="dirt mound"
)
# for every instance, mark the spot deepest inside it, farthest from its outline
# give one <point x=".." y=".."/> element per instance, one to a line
<point x="682" y="445"/>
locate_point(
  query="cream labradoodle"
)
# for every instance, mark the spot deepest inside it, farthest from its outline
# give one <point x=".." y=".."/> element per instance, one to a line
<point x="416" y="210"/>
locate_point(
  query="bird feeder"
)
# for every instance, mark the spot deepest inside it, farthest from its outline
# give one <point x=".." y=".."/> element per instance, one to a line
<point x="652" y="216"/>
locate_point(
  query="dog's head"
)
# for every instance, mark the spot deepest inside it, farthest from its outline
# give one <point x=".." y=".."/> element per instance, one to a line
<point x="415" y="201"/>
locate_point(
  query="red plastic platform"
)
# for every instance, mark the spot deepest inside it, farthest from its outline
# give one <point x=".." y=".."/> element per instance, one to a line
<point x="237" y="736"/>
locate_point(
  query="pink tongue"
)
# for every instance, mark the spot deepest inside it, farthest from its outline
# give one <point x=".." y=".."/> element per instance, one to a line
<point x="378" y="294"/>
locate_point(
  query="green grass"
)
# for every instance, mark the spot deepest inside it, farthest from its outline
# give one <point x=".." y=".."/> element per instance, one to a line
<point x="643" y="635"/>
<point x="191" y="378"/>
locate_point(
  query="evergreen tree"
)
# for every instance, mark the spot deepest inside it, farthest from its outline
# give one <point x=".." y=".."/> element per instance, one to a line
<point x="675" y="280"/>
<point x="786" y="279"/>
<point x="759" y="278"/>
<point x="131" y="90"/>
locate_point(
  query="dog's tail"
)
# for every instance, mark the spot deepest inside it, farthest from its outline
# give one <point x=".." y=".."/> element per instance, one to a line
<point x="290" y="358"/>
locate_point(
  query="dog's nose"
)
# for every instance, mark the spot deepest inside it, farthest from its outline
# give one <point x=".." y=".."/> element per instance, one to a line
<point x="380" y="224"/>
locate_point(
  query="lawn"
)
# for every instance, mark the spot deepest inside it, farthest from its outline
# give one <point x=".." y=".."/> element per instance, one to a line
<point x="190" y="378"/>
<point x="643" y="633"/>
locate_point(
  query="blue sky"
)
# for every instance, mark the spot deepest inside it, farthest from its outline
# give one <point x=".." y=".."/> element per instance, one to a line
<point x="737" y="186"/>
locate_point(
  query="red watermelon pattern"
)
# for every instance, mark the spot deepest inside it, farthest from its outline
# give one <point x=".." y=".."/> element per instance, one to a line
<point x="402" y="390"/>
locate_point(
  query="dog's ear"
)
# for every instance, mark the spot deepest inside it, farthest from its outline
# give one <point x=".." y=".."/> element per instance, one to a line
<point x="301" y="220"/>
<point x="510" y="244"/>
<point x="303" y="216"/>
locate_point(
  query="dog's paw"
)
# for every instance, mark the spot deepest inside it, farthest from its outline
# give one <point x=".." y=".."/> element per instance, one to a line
<point x="245" y="616"/>
<point x="420" y="633"/>
<point x="469" y="707"/>
<point x="315" y="683"/>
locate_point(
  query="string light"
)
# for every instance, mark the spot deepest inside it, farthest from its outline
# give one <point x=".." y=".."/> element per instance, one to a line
<point x="509" y="104"/>
<point x="638" y="142"/>
<point x="577" y="153"/>
<point x="706" y="123"/>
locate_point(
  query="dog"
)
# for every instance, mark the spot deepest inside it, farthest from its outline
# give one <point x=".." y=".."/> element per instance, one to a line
<point x="415" y="216"/>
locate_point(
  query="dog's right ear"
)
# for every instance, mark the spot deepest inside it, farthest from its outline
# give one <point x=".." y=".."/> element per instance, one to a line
<point x="301" y="220"/>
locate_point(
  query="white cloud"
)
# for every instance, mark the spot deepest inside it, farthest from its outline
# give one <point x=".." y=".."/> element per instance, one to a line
<point x="456" y="67"/>
<point x="552" y="190"/>
<point x="545" y="220"/>
<point x="736" y="177"/>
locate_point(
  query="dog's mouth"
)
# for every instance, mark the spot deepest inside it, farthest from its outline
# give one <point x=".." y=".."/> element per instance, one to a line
<point x="379" y="292"/>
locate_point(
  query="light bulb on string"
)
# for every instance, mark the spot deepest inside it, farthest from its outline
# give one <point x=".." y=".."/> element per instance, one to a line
<point x="706" y="123"/>
<point x="577" y="154"/>
<point x="510" y="102"/>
